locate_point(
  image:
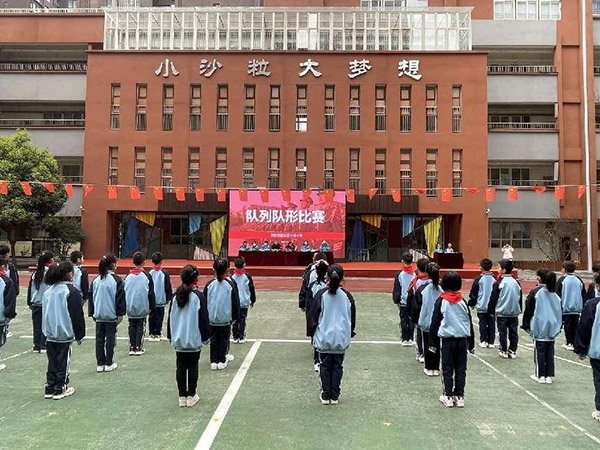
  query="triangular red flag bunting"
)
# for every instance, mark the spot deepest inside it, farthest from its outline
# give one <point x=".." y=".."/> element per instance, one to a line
<point x="264" y="195"/>
<point x="580" y="191"/>
<point x="49" y="187"/>
<point x="286" y="195"/>
<point x="513" y="194"/>
<point x="243" y="195"/>
<point x="329" y="195"/>
<point x="559" y="192"/>
<point x="87" y="190"/>
<point x="372" y="193"/>
<point x="134" y="193"/>
<point x="446" y="195"/>
<point x="199" y="194"/>
<point x="397" y="195"/>
<point x="68" y="190"/>
<point x="306" y="194"/>
<point x="221" y="195"/>
<point x="540" y="189"/>
<point x="158" y="192"/>
<point x="112" y="192"/>
<point x="4" y="187"/>
<point x="490" y="194"/>
<point x="180" y="194"/>
<point x="350" y="195"/>
<point x="419" y="190"/>
<point x="473" y="190"/>
<point x="26" y="186"/>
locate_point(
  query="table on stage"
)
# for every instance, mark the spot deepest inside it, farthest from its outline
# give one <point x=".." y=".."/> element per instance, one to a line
<point x="449" y="260"/>
<point x="281" y="258"/>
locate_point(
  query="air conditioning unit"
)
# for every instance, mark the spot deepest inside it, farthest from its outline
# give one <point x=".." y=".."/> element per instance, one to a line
<point x="301" y="169"/>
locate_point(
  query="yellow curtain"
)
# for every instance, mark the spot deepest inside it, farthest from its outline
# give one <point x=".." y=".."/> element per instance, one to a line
<point x="372" y="219"/>
<point x="432" y="233"/>
<point x="146" y="217"/>
<point x="217" y="231"/>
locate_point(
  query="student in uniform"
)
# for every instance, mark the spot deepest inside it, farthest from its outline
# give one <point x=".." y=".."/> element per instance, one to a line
<point x="244" y="247"/>
<point x="542" y="319"/>
<point x="11" y="270"/>
<point x="107" y="307"/>
<point x="308" y="277"/>
<point x="80" y="275"/>
<point x="265" y="247"/>
<point x="571" y="290"/>
<point x="452" y="324"/>
<point x="332" y="320"/>
<point x="593" y="291"/>
<point x="587" y="342"/>
<point x="35" y="294"/>
<point x="305" y="247"/>
<point x="479" y="298"/>
<point x="506" y="303"/>
<point x="414" y="309"/>
<point x="400" y="295"/>
<point x="140" y="300"/>
<point x="312" y="291"/>
<point x="8" y="303"/>
<point x="163" y="293"/>
<point x="223" y="309"/>
<point x="188" y="329"/>
<point x="254" y="247"/>
<point x="63" y="322"/>
<point x="247" y="294"/>
<point x="425" y="297"/>
<point x="325" y="247"/>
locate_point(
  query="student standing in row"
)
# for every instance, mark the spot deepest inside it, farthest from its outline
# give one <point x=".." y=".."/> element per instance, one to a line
<point x="452" y="323"/>
<point x="247" y="294"/>
<point x="400" y="295"/>
<point x="188" y="329"/>
<point x="8" y="303"/>
<point x="81" y="279"/>
<point x="11" y="270"/>
<point x="332" y="319"/>
<point x="506" y="303"/>
<point x="542" y="319"/>
<point x="571" y="290"/>
<point x="313" y="289"/>
<point x="592" y="291"/>
<point x="308" y="277"/>
<point x="414" y="309"/>
<point x="35" y="295"/>
<point x="107" y="307"/>
<point x="479" y="298"/>
<point x="139" y="296"/>
<point x="426" y="296"/>
<point x="163" y="293"/>
<point x="63" y="322"/>
<point x="223" y="309"/>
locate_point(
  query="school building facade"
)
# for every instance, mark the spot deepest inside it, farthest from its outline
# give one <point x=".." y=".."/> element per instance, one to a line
<point x="404" y="95"/>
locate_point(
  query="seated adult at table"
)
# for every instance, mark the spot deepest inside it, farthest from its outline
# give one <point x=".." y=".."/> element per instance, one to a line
<point x="325" y="247"/>
<point x="254" y="247"/>
<point x="439" y="249"/>
<point x="244" y="247"/>
<point x="265" y="247"/>
<point x="305" y="247"/>
<point x="290" y="247"/>
<point x="449" y="248"/>
<point x="276" y="247"/>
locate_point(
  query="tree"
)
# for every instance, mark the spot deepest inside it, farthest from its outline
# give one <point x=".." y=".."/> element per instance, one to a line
<point x="22" y="160"/>
<point x="66" y="230"/>
<point x="560" y="241"/>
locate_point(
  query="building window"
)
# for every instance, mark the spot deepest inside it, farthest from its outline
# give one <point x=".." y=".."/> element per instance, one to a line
<point x="273" y="168"/>
<point x="221" y="167"/>
<point x="222" y="107"/>
<point x="380" y="113"/>
<point x="139" y="170"/>
<point x="354" y="108"/>
<point x="431" y="172"/>
<point x="329" y="169"/>
<point x="504" y="9"/>
<point x="329" y="108"/>
<point x="275" y="108"/>
<point x="166" y="168"/>
<point x="193" y="167"/>
<point x="517" y="234"/>
<point x="550" y="9"/>
<point x="168" y="105"/>
<point x="249" y="107"/>
<point x="115" y="106"/>
<point x="301" y="108"/>
<point x="195" y="107"/>
<point x="520" y="176"/>
<point x="248" y="167"/>
<point x="406" y="171"/>
<point x="456" y="109"/>
<point x="405" y="109"/>
<point x="431" y="109"/>
<point x="380" y="154"/>
<point x="178" y="231"/>
<point x="300" y="168"/>
<point x="113" y="165"/>
<point x="354" y="170"/>
<point x="141" y="105"/>
<point x="457" y="172"/>
<point x="527" y="9"/>
<point x="71" y="169"/>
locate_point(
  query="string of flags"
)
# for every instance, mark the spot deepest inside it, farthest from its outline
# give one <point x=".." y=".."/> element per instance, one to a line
<point x="445" y="194"/>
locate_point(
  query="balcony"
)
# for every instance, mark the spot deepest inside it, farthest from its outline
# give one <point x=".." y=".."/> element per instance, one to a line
<point x="51" y="66"/>
<point x="522" y="146"/>
<point x="59" y="142"/>
<point x="522" y="126"/>
<point x="520" y="69"/>
<point x="528" y="206"/>
<point x="40" y="87"/>
<point x="518" y="33"/>
<point x="42" y="123"/>
<point x="518" y="88"/>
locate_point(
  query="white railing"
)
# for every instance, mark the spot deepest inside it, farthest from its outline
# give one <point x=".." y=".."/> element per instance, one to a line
<point x="501" y="68"/>
<point x="41" y="123"/>
<point x="523" y="126"/>
<point x="52" y="11"/>
<point x="520" y="183"/>
<point x="44" y="67"/>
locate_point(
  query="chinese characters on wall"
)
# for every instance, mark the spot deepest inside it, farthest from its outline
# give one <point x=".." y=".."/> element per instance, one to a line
<point x="287" y="216"/>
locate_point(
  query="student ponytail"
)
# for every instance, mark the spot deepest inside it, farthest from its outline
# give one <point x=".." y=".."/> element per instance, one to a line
<point x="548" y="278"/>
<point x="321" y="269"/>
<point x="220" y="267"/>
<point x="336" y="275"/>
<point x="107" y="262"/>
<point x="45" y="258"/>
<point x="189" y="276"/>
<point x="59" y="272"/>
<point x="433" y="272"/>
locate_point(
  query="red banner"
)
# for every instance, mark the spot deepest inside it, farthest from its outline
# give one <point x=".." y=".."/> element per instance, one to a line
<point x="180" y="194"/>
<point x="419" y="190"/>
<point x="199" y="194"/>
<point x="396" y="195"/>
<point x="68" y="189"/>
<point x="112" y="192"/>
<point x="372" y="193"/>
<point x="26" y="186"/>
<point x="158" y="192"/>
<point x="264" y="196"/>
<point x="221" y="195"/>
<point x="350" y="195"/>
<point x="559" y="192"/>
<point x="539" y="189"/>
<point x="286" y="195"/>
<point x="490" y="194"/>
<point x="87" y="190"/>
<point x="134" y="193"/>
<point x="473" y="190"/>
<point x="580" y="191"/>
<point x="49" y="187"/>
<point x="244" y="195"/>
<point x="513" y="194"/>
<point x="446" y="195"/>
<point x="4" y="187"/>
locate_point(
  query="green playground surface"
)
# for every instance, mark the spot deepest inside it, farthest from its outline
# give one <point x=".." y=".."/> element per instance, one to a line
<point x="387" y="402"/>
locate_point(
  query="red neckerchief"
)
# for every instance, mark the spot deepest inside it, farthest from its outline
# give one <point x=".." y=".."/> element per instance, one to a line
<point x="408" y="268"/>
<point x="48" y="265"/>
<point x="452" y="297"/>
<point x="239" y="272"/>
<point x="2" y="273"/>
<point x="158" y="268"/>
<point x="136" y="271"/>
<point x="413" y="283"/>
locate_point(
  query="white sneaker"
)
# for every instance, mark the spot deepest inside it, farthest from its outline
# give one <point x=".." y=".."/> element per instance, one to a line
<point x="540" y="380"/>
<point x="48" y="396"/>
<point x="221" y="366"/>
<point x="459" y="402"/>
<point x="131" y="352"/>
<point x="213" y="366"/>
<point x="9" y="334"/>
<point x="139" y="352"/>
<point x="229" y="358"/>
<point x="43" y="351"/>
<point x="448" y="402"/>
<point x="317" y="367"/>
<point x="548" y="380"/>
<point x="491" y="345"/>
<point x="503" y="354"/>
<point x="596" y="415"/>
<point x="2" y="367"/>
<point x="436" y="373"/>
<point x="191" y="401"/>
<point x="427" y="372"/>
<point x="512" y="355"/>
<point x="236" y="341"/>
<point x="323" y="402"/>
<point x="243" y="341"/>
<point x="570" y="347"/>
<point x="406" y="344"/>
<point x="111" y="368"/>
<point x="483" y="344"/>
<point x="100" y="369"/>
<point x="565" y="346"/>
<point x="411" y="343"/>
<point x="182" y="402"/>
<point x="421" y="359"/>
<point x="334" y="402"/>
<point x="67" y="393"/>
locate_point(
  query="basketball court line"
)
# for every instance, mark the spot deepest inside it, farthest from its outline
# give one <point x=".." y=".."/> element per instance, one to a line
<point x="15" y="355"/>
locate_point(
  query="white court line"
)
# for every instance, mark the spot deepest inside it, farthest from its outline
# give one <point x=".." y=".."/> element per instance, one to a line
<point x="211" y="430"/>
<point x="15" y="356"/>
<point x="539" y="400"/>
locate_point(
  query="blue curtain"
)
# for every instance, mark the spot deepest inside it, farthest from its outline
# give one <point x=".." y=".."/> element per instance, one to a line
<point x="408" y="224"/>
<point x="194" y="222"/>
<point x="357" y="244"/>
<point x="131" y="243"/>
